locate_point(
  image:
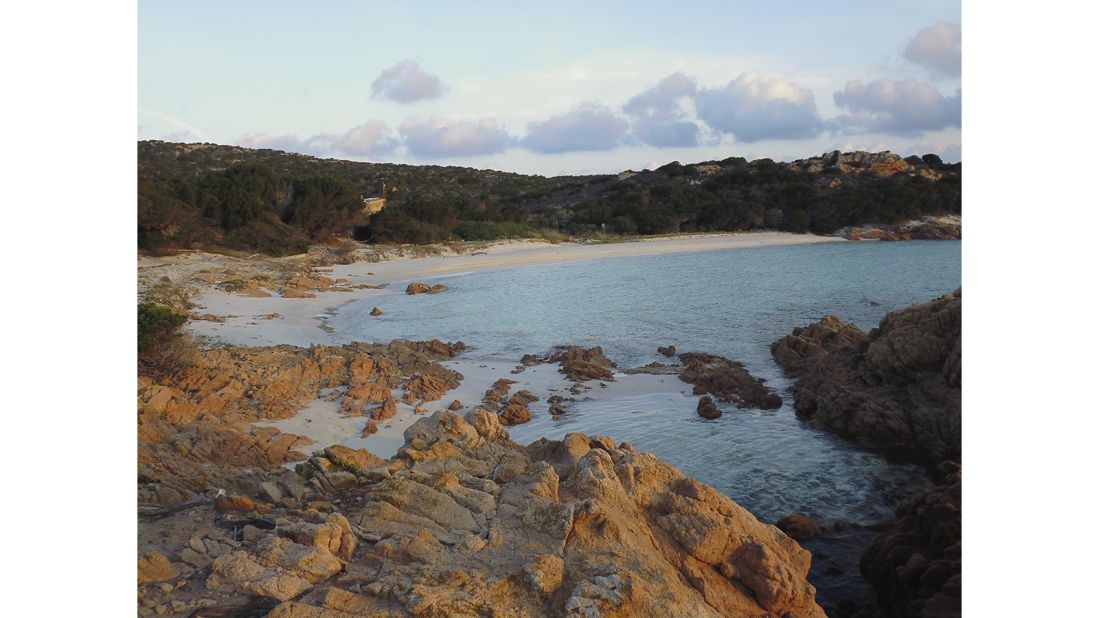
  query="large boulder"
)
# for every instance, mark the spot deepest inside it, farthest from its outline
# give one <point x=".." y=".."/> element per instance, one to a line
<point x="153" y="566"/>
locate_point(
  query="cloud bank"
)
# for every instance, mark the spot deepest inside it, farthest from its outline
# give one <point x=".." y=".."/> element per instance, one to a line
<point x="370" y="139"/>
<point x="440" y="138"/>
<point x="754" y="108"/>
<point x="588" y="126"/>
<point x="902" y="107"/>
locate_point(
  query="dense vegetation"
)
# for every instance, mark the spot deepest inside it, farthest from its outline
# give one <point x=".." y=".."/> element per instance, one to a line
<point x="202" y="195"/>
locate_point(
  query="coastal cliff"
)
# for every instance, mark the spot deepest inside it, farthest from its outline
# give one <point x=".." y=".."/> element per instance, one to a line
<point x="896" y="389"/>
<point x="463" y="521"/>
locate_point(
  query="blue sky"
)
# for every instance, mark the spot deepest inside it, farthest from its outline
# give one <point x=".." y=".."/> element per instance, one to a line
<point x="550" y="88"/>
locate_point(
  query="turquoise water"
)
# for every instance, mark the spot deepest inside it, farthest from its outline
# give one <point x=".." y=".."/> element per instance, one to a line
<point x="732" y="302"/>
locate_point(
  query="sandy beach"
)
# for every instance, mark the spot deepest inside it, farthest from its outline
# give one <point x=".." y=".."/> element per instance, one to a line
<point x="238" y="319"/>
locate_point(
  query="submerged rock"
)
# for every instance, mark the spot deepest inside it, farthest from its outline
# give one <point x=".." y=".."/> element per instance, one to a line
<point x="581" y="365"/>
<point x="800" y="527"/>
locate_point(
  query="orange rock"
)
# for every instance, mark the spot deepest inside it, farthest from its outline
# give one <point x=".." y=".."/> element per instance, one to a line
<point x="235" y="503"/>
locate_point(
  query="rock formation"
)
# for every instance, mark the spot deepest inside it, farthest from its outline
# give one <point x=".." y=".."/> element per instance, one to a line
<point x="194" y="425"/>
<point x="423" y="288"/>
<point x="896" y="389"/>
<point x="727" y="381"/>
<point x="800" y="527"/>
<point x="803" y="348"/>
<point x="707" y="409"/>
<point x="465" y="522"/>
<point x="915" y="567"/>
<point x="581" y="365"/>
<point x="947" y="227"/>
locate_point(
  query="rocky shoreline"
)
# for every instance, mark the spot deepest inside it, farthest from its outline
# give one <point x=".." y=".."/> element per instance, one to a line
<point x="240" y="519"/>
<point x="896" y="389"/>
<point x="461" y="522"/>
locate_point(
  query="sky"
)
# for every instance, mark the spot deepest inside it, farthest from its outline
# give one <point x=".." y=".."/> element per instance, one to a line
<point x="553" y="87"/>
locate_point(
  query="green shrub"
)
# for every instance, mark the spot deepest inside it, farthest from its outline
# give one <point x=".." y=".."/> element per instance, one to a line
<point x="155" y="325"/>
<point x="161" y="346"/>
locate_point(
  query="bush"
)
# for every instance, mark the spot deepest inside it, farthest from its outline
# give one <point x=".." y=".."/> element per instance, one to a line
<point x="161" y="347"/>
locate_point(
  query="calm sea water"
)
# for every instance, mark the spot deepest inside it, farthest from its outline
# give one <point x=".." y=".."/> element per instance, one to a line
<point x="732" y="302"/>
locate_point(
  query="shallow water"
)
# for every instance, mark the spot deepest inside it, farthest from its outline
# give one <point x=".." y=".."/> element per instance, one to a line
<point x="732" y="302"/>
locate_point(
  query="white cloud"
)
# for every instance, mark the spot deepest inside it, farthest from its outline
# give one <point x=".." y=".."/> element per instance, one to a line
<point x="902" y="107"/>
<point x="937" y="47"/>
<point x="407" y="82"/>
<point x="754" y="108"/>
<point x="657" y="116"/>
<point x="588" y="126"/>
<point x="440" y="137"/>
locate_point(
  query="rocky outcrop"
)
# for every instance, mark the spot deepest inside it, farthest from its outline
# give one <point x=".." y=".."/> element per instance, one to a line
<point x="707" y="409"/>
<point x="423" y="288"/>
<point x="581" y="365"/>
<point x="948" y="227"/>
<point x="668" y="351"/>
<point x="193" y="425"/>
<point x="516" y="410"/>
<point x="804" y="347"/>
<point x="465" y="522"/>
<point x="726" y="380"/>
<point x="915" y="567"/>
<point x="897" y="390"/>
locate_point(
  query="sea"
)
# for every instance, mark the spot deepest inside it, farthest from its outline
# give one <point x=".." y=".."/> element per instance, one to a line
<point x="731" y="302"/>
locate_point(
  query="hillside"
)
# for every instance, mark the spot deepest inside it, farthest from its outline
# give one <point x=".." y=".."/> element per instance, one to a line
<point x="211" y="196"/>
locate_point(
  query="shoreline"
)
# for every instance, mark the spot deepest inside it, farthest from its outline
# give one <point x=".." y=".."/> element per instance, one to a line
<point x="221" y="317"/>
<point x="231" y="318"/>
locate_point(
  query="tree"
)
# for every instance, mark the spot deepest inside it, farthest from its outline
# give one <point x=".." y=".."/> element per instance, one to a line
<point x="798" y="222"/>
